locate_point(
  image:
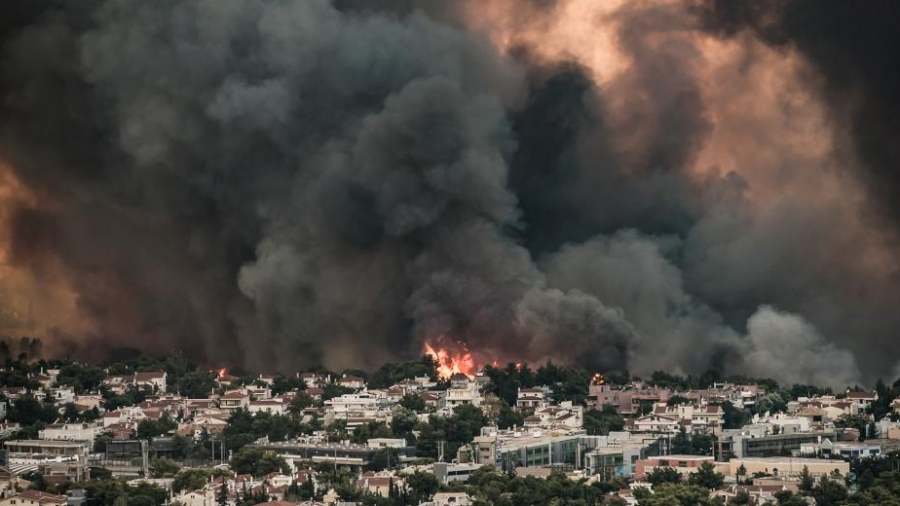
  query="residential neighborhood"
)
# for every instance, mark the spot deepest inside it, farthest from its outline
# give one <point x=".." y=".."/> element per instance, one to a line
<point x="449" y="252"/>
<point x="406" y="434"/>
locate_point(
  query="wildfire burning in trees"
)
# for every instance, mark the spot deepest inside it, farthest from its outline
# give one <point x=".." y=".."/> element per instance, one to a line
<point x="220" y="372"/>
<point x="452" y="361"/>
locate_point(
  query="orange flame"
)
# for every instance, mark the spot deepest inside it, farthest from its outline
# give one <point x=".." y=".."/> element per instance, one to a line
<point x="450" y="363"/>
<point x="220" y="373"/>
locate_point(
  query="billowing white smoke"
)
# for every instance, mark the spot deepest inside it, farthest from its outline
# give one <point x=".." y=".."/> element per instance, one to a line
<point x="631" y="272"/>
<point x="784" y="346"/>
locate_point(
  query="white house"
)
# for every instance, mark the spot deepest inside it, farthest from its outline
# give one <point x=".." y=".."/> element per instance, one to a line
<point x="234" y="400"/>
<point x="314" y="380"/>
<point x="258" y="393"/>
<point x="450" y="499"/>
<point x="33" y="498"/>
<point x="353" y="382"/>
<point x="656" y="423"/>
<point x="863" y="400"/>
<point x="63" y="395"/>
<point x="117" y="384"/>
<point x="71" y="432"/>
<point x="531" y="398"/>
<point x="462" y="392"/>
<point x="203" y="497"/>
<point x="356" y="405"/>
<point x="271" y="406"/>
<point x="564" y="415"/>
<point x="155" y="380"/>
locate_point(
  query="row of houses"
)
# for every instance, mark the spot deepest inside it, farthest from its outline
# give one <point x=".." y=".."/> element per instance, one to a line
<point x="551" y="437"/>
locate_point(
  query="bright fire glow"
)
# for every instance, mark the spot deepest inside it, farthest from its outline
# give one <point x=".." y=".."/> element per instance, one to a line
<point x="451" y="362"/>
<point x="220" y="373"/>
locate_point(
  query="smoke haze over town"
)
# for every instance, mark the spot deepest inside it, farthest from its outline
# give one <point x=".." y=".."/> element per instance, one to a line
<point x="636" y="185"/>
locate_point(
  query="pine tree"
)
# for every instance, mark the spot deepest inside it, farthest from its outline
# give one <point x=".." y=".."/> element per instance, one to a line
<point x="294" y="490"/>
<point x="260" y="495"/>
<point x="681" y="445"/>
<point x="806" y="481"/>
<point x="246" y="496"/>
<point x="222" y="498"/>
<point x="741" y="474"/>
<point x="308" y="491"/>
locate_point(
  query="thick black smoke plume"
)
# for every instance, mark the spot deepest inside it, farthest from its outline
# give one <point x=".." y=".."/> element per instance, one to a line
<point x="278" y="184"/>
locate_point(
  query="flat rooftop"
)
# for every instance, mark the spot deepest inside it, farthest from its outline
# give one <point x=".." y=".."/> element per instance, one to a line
<point x="680" y="457"/>
<point x="48" y="443"/>
<point x="787" y="460"/>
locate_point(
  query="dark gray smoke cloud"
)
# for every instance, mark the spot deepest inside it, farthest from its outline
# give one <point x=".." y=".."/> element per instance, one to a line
<point x="281" y="182"/>
<point x="278" y="184"/>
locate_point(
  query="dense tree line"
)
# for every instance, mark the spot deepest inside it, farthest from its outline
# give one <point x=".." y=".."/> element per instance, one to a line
<point x="566" y="383"/>
<point x="108" y="491"/>
<point x="393" y="373"/>
<point x="456" y="430"/>
<point x="603" y="421"/>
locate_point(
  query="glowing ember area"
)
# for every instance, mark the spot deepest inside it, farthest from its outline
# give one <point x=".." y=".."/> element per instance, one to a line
<point x="220" y="373"/>
<point x="597" y="379"/>
<point x="451" y="362"/>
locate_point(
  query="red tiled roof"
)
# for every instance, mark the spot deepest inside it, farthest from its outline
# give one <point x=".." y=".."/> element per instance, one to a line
<point x="147" y="376"/>
<point x="42" y="497"/>
<point x="376" y="481"/>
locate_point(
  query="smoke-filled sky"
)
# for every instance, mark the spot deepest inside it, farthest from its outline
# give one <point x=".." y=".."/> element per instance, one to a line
<point x="669" y="184"/>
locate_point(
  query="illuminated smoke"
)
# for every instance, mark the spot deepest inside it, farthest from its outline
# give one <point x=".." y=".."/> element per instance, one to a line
<point x="615" y="184"/>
